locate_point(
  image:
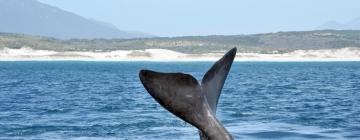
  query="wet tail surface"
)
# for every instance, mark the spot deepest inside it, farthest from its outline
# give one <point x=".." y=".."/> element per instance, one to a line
<point x="182" y="95"/>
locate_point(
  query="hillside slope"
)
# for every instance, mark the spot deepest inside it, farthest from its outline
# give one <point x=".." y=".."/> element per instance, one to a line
<point x="281" y="42"/>
<point x="35" y="18"/>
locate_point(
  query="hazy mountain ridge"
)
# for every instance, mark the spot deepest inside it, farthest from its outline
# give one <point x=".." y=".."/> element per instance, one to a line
<point x="335" y="25"/>
<point x="35" y="18"/>
<point x="281" y="42"/>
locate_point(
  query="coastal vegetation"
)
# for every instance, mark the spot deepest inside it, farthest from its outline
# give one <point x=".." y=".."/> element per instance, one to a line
<point x="269" y="43"/>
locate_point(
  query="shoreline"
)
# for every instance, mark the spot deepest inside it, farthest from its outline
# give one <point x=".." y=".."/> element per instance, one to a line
<point x="162" y="55"/>
<point x="192" y="60"/>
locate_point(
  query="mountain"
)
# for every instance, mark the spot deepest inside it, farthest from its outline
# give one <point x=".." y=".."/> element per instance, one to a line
<point x="354" y="24"/>
<point x="351" y="25"/>
<point x="35" y="18"/>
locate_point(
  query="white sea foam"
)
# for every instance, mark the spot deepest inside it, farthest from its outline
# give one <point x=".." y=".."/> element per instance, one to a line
<point x="25" y="53"/>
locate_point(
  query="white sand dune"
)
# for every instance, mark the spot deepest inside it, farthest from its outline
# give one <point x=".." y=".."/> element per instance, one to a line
<point x="25" y="54"/>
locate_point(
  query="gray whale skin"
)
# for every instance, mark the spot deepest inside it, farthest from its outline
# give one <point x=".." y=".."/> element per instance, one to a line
<point x="183" y="96"/>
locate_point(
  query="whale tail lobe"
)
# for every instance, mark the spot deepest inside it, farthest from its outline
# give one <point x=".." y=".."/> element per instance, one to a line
<point x="214" y="79"/>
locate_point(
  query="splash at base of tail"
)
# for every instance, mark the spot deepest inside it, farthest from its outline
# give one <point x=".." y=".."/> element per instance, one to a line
<point x="182" y="95"/>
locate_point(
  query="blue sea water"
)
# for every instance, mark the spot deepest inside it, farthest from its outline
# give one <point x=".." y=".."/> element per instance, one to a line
<point x="105" y="100"/>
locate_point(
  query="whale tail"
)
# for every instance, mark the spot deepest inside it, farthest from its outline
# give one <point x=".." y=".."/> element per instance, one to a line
<point x="182" y="95"/>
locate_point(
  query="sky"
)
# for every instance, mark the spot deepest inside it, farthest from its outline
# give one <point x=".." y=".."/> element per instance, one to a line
<point x="212" y="17"/>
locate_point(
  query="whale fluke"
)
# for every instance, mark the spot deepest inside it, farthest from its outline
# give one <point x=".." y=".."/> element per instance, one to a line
<point x="182" y="95"/>
<point x="213" y="81"/>
<point x="215" y="77"/>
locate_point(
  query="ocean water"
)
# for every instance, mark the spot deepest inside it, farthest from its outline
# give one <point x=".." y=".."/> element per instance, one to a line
<point x="105" y="100"/>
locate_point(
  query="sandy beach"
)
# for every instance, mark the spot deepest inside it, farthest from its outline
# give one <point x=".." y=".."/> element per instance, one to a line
<point x="28" y="54"/>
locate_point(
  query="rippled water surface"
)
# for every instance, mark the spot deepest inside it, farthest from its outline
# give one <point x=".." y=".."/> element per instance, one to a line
<point x="105" y="100"/>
